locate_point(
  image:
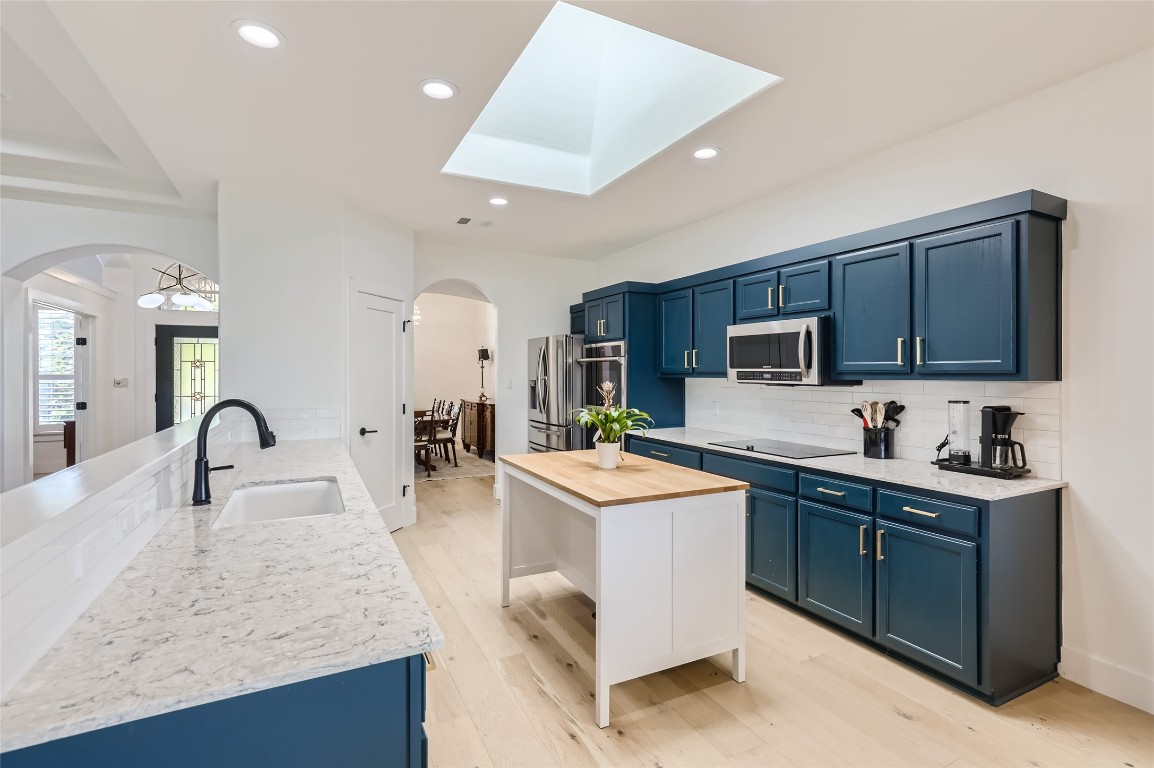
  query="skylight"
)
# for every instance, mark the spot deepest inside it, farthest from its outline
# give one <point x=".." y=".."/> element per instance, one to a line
<point x="591" y="98"/>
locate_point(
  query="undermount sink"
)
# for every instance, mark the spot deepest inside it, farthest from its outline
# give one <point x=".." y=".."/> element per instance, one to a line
<point x="281" y="500"/>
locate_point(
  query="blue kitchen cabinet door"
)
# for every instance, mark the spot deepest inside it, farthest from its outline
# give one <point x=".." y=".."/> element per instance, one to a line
<point x="835" y="572"/>
<point x="871" y="307"/>
<point x="614" y="317"/>
<point x="755" y="296"/>
<point x="927" y="608"/>
<point x="676" y="319"/>
<point x="771" y="543"/>
<point x="804" y="288"/>
<point x="965" y="301"/>
<point x="712" y="316"/>
<point x="594" y="314"/>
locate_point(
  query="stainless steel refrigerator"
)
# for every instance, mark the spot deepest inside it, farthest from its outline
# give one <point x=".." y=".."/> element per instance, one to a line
<point x="555" y="389"/>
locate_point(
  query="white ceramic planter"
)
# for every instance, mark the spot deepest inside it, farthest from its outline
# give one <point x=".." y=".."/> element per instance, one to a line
<point x="608" y="454"/>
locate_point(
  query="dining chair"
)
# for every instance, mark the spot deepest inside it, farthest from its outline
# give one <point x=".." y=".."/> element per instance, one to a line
<point x="446" y="437"/>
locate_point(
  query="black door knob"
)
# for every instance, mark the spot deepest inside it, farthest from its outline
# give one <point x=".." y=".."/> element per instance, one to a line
<point x="367" y="431"/>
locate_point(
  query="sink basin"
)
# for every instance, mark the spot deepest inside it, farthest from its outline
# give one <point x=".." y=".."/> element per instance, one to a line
<point x="281" y="500"/>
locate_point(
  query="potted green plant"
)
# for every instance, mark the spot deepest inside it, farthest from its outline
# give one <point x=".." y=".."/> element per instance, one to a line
<point x="611" y="423"/>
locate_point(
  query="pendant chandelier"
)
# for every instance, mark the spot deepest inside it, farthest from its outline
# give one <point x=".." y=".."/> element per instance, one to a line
<point x="181" y="288"/>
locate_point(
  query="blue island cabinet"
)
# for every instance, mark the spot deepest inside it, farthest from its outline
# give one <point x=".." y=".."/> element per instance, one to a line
<point x="370" y="716"/>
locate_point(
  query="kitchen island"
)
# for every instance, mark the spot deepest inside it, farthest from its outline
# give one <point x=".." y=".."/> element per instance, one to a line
<point x="262" y="643"/>
<point x="658" y="548"/>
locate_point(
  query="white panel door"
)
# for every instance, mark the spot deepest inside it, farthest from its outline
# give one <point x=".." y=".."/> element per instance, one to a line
<point x="376" y="386"/>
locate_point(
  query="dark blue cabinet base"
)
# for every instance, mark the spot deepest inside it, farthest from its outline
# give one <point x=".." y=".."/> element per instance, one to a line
<point x="363" y="717"/>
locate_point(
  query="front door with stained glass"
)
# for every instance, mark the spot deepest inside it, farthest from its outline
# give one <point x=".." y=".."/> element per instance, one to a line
<point x="187" y="372"/>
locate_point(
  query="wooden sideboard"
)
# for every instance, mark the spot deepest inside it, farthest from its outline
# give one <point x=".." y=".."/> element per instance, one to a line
<point x="479" y="425"/>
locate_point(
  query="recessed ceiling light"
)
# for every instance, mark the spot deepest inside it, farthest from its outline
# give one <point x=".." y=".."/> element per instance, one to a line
<point x="258" y="33"/>
<point x="438" y="89"/>
<point x="498" y="201"/>
<point x="706" y="153"/>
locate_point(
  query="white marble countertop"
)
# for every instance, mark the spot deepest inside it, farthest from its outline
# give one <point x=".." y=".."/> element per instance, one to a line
<point x="917" y="474"/>
<point x="202" y="615"/>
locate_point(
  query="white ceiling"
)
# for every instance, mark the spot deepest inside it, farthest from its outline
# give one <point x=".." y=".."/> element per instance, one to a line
<point x="337" y="109"/>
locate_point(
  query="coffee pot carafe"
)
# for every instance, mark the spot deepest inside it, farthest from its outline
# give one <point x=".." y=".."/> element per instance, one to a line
<point x="998" y="449"/>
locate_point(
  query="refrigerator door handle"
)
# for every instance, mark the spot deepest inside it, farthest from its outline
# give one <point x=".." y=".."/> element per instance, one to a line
<point x="540" y="386"/>
<point x="545" y="379"/>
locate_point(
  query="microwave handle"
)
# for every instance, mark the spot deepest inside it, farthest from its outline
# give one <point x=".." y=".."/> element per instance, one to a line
<point x="802" y="340"/>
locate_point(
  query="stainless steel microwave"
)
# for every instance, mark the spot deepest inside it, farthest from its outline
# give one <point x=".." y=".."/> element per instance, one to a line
<point x="789" y="352"/>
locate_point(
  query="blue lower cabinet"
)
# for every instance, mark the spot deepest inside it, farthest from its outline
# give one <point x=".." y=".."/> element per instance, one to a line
<point x="667" y="453"/>
<point x="927" y="587"/>
<point x="362" y="717"/>
<point x="835" y="566"/>
<point x="771" y="543"/>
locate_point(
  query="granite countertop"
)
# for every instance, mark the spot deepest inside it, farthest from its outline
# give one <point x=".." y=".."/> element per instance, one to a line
<point x="918" y="474"/>
<point x="202" y="615"/>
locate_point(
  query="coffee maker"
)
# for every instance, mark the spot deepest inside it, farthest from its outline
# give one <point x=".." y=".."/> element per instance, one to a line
<point x="998" y="450"/>
<point x="1000" y="455"/>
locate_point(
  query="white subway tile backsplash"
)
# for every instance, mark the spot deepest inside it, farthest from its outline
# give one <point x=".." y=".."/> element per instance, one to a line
<point x="820" y="415"/>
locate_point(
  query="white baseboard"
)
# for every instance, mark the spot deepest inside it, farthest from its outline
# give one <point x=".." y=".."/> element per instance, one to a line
<point x="1108" y="679"/>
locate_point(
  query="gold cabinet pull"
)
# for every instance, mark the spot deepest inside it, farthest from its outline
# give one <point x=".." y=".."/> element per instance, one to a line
<point x="602" y="324"/>
<point x="831" y="493"/>
<point x="920" y="340"/>
<point x="781" y="296"/>
<point x="861" y="539"/>
<point x="920" y="512"/>
<point x="695" y="358"/>
<point x="879" y="545"/>
<point x="901" y="343"/>
<point x="687" y="358"/>
<point x="769" y="298"/>
<point x="659" y="453"/>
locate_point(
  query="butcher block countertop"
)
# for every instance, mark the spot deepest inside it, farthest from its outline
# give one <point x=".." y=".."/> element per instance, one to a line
<point x="636" y="479"/>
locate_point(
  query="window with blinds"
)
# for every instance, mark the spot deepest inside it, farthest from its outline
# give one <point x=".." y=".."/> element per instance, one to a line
<point x="55" y="389"/>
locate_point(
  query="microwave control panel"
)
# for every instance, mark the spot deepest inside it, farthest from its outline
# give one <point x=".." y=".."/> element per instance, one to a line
<point x="768" y="376"/>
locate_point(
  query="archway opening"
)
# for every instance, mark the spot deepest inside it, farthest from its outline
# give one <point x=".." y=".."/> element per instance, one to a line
<point x="83" y="369"/>
<point x="455" y="362"/>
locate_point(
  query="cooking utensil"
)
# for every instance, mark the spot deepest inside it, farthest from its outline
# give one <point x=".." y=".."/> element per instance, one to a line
<point x="867" y="409"/>
<point x="857" y="412"/>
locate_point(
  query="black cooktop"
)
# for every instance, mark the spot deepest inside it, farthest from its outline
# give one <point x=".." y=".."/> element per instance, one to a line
<point x="782" y="448"/>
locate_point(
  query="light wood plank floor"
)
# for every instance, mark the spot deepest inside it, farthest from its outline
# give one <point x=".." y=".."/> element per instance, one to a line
<point x="514" y="686"/>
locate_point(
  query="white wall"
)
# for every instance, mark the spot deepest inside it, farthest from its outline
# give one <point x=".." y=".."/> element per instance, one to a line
<point x="532" y="295"/>
<point x="30" y="231"/>
<point x="1088" y="140"/>
<point x="445" y="348"/>
<point x="287" y="259"/>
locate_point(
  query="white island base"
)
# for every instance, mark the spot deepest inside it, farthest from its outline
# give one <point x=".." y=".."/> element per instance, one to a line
<point x="664" y="561"/>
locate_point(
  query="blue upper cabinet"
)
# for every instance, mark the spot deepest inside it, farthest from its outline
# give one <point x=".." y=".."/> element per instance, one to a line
<point x="693" y="329"/>
<point x="804" y="288"/>
<point x="676" y="310"/>
<point x="605" y="319"/>
<point x="966" y="302"/>
<point x="756" y="296"/>
<point x="712" y="316"/>
<point x="871" y="304"/>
